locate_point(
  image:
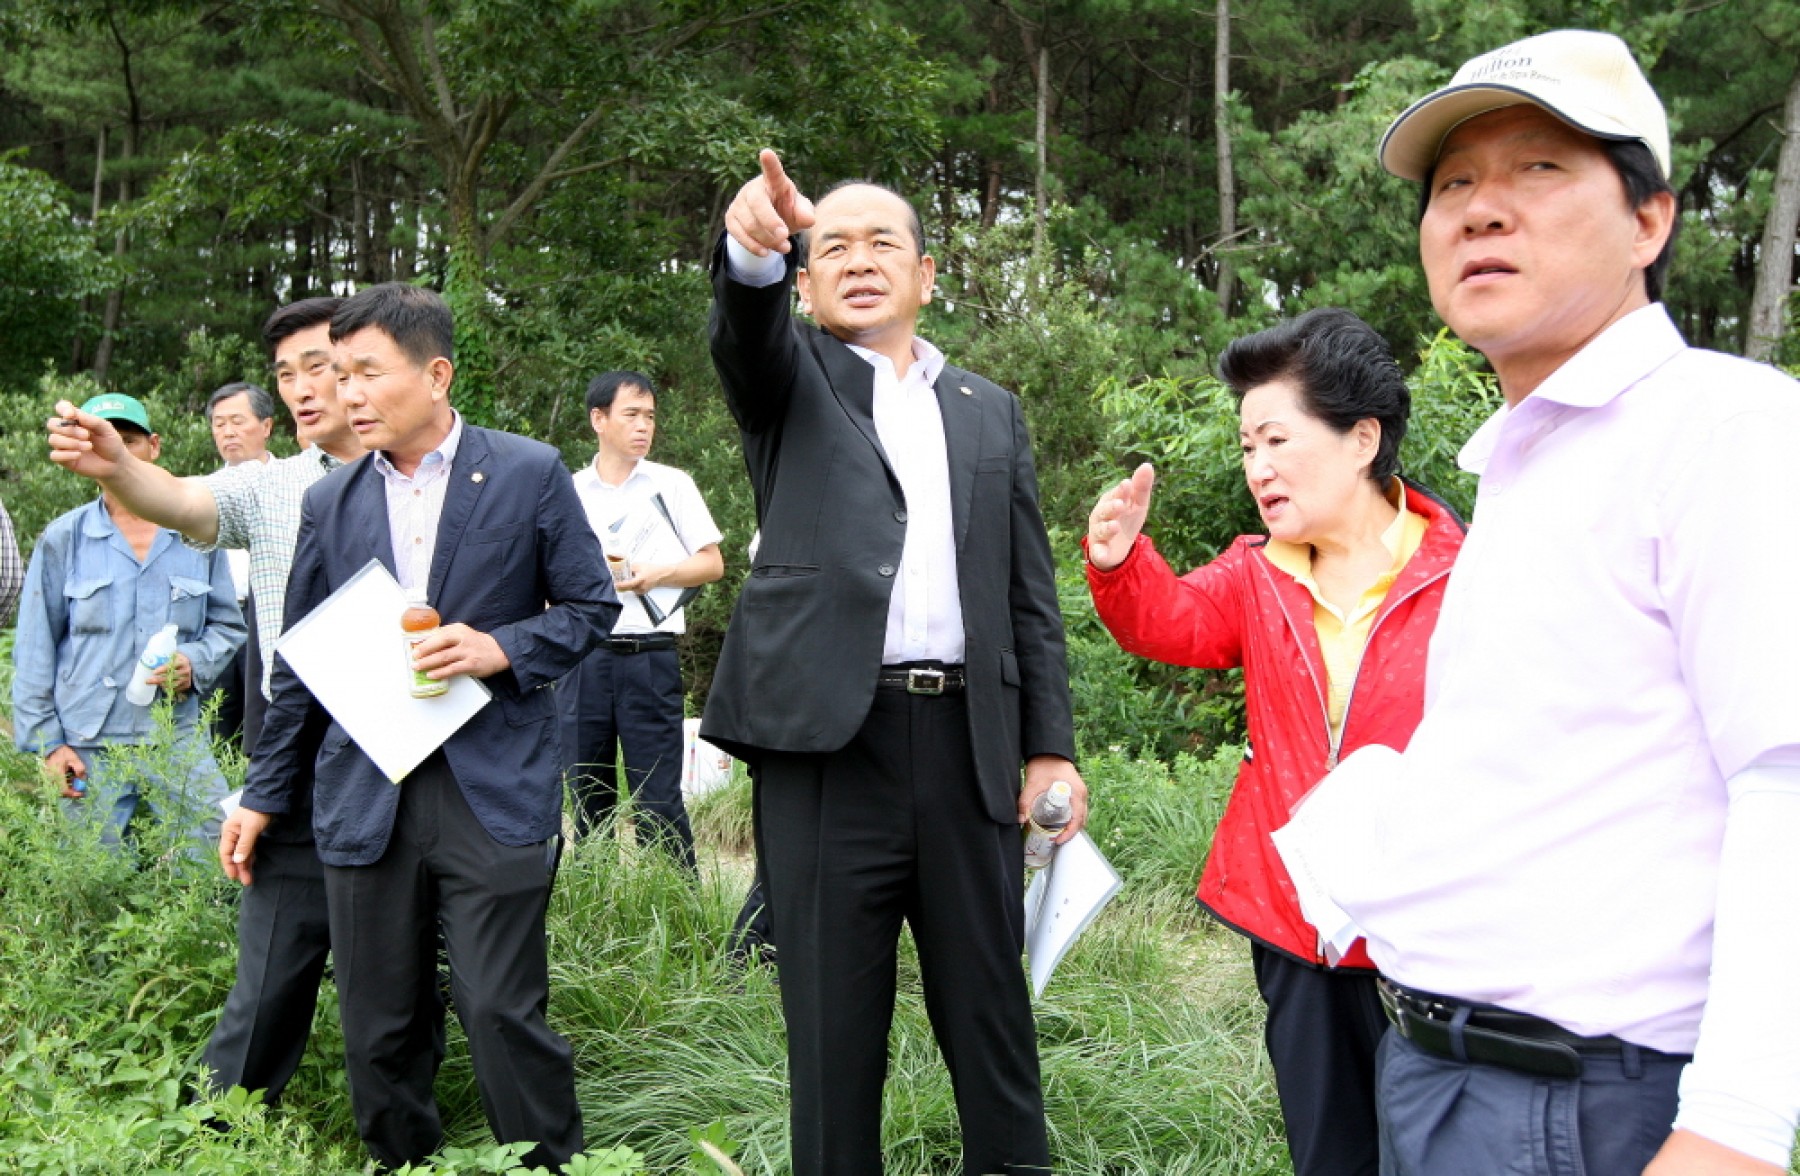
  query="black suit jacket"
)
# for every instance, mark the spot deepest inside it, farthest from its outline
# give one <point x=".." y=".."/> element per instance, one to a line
<point x="798" y="668"/>
<point x="516" y="559"/>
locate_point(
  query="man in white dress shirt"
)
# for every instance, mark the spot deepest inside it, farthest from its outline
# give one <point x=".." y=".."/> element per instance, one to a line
<point x="627" y="695"/>
<point x="1580" y="878"/>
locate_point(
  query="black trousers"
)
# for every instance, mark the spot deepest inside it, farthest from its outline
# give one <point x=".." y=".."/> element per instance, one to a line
<point x="255" y="705"/>
<point x="283" y="940"/>
<point x="892" y="828"/>
<point x="442" y="865"/>
<point x="632" y="701"/>
<point x="1323" y="1031"/>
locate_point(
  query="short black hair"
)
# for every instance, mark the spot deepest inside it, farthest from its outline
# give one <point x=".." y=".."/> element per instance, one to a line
<point x="417" y="319"/>
<point x="1643" y="179"/>
<point x="261" y="403"/>
<point x="1342" y="368"/>
<point x="803" y="239"/>
<point x="604" y="388"/>
<point x="296" y="317"/>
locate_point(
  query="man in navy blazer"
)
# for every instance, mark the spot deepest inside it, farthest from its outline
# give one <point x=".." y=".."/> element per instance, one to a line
<point x="488" y="525"/>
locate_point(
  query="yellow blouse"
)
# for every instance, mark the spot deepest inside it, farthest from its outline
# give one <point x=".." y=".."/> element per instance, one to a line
<point x="1342" y="638"/>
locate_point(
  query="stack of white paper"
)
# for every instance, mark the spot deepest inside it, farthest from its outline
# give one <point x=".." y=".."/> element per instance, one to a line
<point x="350" y="653"/>
<point x="1063" y="899"/>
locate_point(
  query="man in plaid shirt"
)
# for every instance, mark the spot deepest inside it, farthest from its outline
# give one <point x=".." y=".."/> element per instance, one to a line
<point x="12" y="568"/>
<point x="282" y="934"/>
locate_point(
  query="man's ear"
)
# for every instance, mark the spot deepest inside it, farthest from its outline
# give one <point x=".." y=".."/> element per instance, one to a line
<point x="927" y="277"/>
<point x="803" y="285"/>
<point x="441" y="372"/>
<point x="1655" y="221"/>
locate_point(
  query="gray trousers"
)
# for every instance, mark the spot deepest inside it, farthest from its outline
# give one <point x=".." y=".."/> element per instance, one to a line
<point x="441" y="865"/>
<point x="1441" y="1117"/>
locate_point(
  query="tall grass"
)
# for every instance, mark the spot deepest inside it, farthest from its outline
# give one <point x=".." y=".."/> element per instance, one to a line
<point x="114" y="970"/>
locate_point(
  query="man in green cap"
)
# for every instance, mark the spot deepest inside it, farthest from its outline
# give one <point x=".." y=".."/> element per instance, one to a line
<point x="102" y="582"/>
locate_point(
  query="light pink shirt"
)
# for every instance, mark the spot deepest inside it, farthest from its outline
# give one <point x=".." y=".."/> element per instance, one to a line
<point x="1617" y="665"/>
<point x="414" y="506"/>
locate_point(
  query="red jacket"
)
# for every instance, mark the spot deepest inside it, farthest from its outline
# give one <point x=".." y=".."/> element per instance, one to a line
<point x="1241" y="610"/>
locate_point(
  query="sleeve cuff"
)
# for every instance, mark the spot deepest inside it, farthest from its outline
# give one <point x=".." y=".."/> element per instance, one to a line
<point x="1736" y="1124"/>
<point x="747" y="269"/>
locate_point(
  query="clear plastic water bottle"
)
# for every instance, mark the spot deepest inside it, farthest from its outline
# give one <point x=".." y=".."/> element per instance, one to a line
<point x="157" y="652"/>
<point x="1050" y="815"/>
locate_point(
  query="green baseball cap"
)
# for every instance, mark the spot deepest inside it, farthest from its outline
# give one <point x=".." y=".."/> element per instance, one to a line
<point x="116" y="406"/>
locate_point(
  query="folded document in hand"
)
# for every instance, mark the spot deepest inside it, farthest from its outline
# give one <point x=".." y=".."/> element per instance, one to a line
<point x="1063" y="899"/>
<point x="349" y="653"/>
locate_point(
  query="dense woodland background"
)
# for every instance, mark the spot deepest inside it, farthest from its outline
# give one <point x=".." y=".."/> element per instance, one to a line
<point x="1113" y="188"/>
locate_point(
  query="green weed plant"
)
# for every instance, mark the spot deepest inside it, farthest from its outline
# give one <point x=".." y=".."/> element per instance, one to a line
<point x="117" y="965"/>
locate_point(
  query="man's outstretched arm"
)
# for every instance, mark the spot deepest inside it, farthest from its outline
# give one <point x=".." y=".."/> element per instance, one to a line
<point x="91" y="447"/>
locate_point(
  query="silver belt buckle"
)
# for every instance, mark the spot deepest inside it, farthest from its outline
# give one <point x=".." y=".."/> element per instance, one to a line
<point x="925" y="681"/>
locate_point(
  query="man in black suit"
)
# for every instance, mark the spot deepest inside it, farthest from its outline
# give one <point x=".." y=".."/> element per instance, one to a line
<point x="489" y="525"/>
<point x="895" y="655"/>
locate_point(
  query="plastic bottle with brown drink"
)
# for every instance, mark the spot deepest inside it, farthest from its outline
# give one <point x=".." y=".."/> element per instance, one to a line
<point x="418" y="622"/>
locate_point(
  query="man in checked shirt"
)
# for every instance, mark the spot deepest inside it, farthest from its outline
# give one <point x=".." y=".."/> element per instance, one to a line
<point x="282" y="934"/>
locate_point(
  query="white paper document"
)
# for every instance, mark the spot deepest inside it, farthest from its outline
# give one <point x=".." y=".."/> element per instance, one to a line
<point x="350" y="653"/>
<point x="648" y="536"/>
<point x="1063" y="899"/>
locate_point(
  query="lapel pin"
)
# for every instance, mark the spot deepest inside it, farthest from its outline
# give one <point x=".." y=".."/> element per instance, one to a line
<point x="967" y="391"/>
<point x="477" y="477"/>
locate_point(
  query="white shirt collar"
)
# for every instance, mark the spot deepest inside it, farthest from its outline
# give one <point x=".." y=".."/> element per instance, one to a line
<point x="928" y="361"/>
<point x="1612" y="362"/>
<point x="443" y="455"/>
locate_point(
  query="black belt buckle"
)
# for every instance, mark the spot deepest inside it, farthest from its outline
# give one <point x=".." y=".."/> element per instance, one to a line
<point x="925" y="681"/>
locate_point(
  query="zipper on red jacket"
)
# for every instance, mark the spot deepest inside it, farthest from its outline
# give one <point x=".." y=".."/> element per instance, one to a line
<point x="1318" y="688"/>
<point x="1336" y="741"/>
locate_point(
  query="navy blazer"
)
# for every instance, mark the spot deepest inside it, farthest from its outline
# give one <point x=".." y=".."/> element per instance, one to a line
<point x="516" y="559"/>
<point x="798" y="669"/>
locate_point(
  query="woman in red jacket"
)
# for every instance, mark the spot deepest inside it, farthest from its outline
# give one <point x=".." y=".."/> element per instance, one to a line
<point x="1329" y="615"/>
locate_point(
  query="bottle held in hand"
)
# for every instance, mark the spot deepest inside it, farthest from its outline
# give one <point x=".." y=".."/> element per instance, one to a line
<point x="1050" y="815"/>
<point x="418" y="622"/>
<point x="157" y="652"/>
<point x="619" y="565"/>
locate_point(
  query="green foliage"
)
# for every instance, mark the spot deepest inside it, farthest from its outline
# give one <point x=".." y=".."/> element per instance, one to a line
<point x="35" y="490"/>
<point x="50" y="264"/>
<point x="1452" y="395"/>
<point x="1148" y="1033"/>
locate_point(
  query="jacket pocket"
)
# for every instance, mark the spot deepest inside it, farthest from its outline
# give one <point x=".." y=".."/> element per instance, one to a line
<point x="187" y="604"/>
<point x="534" y="706"/>
<point x="775" y="571"/>
<point x="483" y="535"/>
<point x="88" y="602"/>
<point x="1009" y="667"/>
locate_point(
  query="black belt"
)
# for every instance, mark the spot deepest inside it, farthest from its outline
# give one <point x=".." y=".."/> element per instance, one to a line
<point x="921" y="678"/>
<point x="643" y="643"/>
<point x="1464" y="1032"/>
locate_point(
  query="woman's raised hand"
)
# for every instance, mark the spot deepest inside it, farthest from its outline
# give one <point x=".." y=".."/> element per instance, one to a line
<point x="1117" y="518"/>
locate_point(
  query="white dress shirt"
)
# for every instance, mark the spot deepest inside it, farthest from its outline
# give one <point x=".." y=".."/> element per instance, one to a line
<point x="1608" y="768"/>
<point x="925" y="611"/>
<point x="611" y="509"/>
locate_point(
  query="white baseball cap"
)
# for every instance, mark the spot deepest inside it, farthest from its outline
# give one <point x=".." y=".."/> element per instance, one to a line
<point x="1587" y="79"/>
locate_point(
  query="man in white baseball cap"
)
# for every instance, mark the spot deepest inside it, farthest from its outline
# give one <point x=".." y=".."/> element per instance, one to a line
<point x="1583" y="891"/>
